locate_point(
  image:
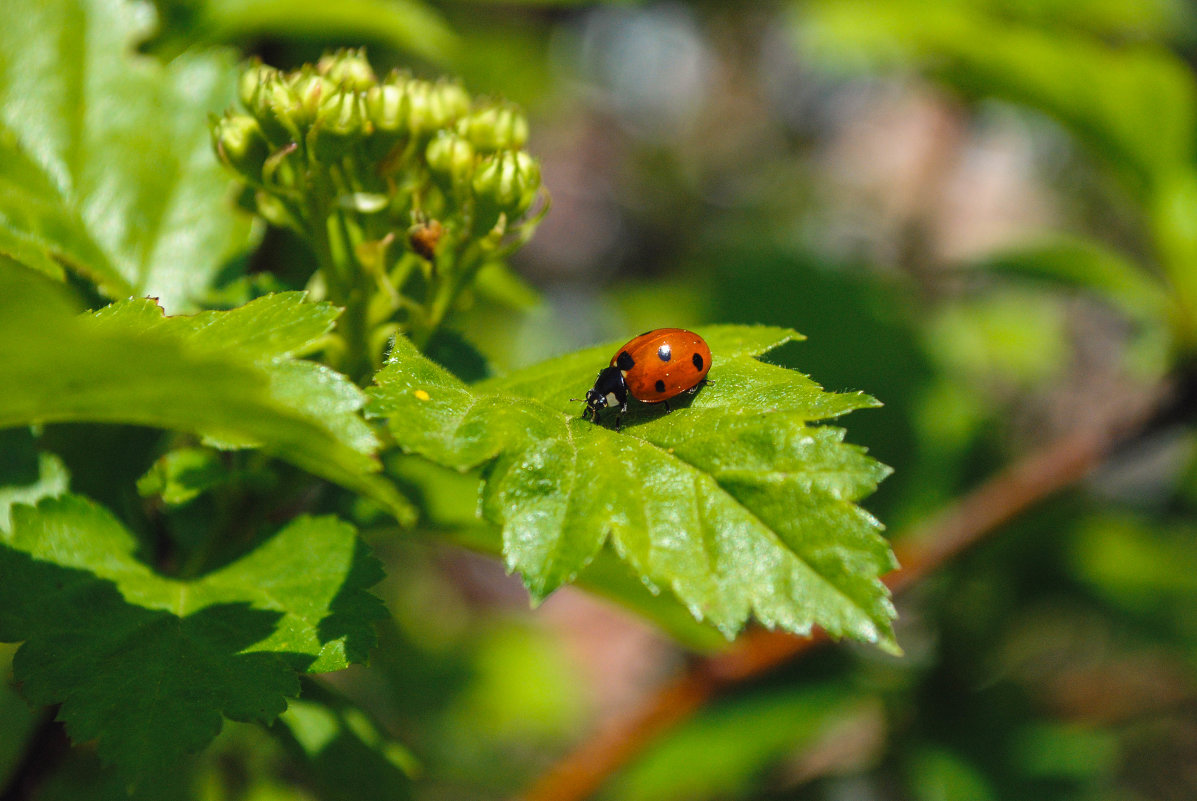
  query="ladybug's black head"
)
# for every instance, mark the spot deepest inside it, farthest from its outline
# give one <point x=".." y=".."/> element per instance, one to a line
<point x="609" y="389"/>
<point x="595" y="400"/>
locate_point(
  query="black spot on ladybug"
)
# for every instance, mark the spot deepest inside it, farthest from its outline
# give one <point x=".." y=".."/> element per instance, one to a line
<point x="660" y="386"/>
<point x="665" y="353"/>
<point x="697" y="361"/>
<point x="625" y="361"/>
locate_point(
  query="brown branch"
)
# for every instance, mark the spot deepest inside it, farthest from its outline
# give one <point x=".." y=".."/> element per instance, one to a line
<point x="920" y="551"/>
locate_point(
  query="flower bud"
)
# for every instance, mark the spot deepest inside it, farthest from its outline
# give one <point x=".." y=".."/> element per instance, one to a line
<point x="497" y="127"/>
<point x="340" y="122"/>
<point x="240" y="144"/>
<point x="450" y="159"/>
<point x="387" y="108"/>
<point x="284" y="110"/>
<point x="256" y="88"/>
<point x="311" y="90"/>
<point x="507" y="182"/>
<point x="249" y="85"/>
<point x="434" y="106"/>
<point x="453" y="99"/>
<point x="348" y="69"/>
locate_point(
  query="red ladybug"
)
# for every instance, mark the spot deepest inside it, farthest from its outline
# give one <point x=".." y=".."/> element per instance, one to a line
<point x="652" y="368"/>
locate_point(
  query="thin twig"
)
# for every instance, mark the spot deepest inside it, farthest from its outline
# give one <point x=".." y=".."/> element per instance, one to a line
<point x="920" y="551"/>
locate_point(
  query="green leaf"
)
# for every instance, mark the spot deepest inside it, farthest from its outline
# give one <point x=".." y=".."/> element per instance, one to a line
<point x="19" y="723"/>
<point x="1103" y="92"/>
<point x="26" y="474"/>
<point x="1174" y="217"/>
<point x="105" y="159"/>
<point x="937" y="774"/>
<point x="346" y="753"/>
<point x="406" y="25"/>
<point x="221" y="374"/>
<point x="498" y="283"/>
<point x="448" y="501"/>
<point x="1090" y="265"/>
<point x="146" y="665"/>
<point x="734" y="502"/>
<point x="184" y="474"/>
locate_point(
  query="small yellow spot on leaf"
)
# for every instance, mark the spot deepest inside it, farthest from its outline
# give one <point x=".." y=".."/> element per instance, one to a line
<point x="422" y="395"/>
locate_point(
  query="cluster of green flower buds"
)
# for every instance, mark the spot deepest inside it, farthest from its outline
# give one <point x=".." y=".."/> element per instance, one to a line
<point x="411" y="145"/>
<point x="405" y="188"/>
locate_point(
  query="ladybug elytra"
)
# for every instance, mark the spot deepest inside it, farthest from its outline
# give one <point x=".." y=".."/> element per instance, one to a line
<point x="652" y="368"/>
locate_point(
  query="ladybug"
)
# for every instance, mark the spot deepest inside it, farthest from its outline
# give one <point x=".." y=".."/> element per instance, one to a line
<point x="652" y="368"/>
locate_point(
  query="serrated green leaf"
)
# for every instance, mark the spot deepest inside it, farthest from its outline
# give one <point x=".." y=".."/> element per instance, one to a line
<point x="105" y="160"/>
<point x="733" y="502"/>
<point x="146" y="665"/>
<point x="217" y="374"/>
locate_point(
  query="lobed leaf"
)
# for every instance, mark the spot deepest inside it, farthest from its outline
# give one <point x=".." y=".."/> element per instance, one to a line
<point x="146" y="665"/>
<point x="734" y="502"/>
<point x="105" y="160"/>
<point x="221" y="374"/>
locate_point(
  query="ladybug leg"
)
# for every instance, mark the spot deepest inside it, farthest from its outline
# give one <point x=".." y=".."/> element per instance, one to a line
<point x="667" y="409"/>
<point x="697" y="386"/>
<point x="623" y="408"/>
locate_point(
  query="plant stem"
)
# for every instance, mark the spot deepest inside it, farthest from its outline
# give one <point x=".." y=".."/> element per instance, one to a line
<point x="446" y="292"/>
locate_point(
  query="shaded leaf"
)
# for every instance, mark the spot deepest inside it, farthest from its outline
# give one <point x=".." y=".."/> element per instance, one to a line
<point x="182" y="475"/>
<point x="406" y="25"/>
<point x="26" y="474"/>
<point x="105" y="159"/>
<point x="347" y="754"/>
<point x="145" y="664"/>
<point x="734" y="502"/>
<point x="221" y="374"/>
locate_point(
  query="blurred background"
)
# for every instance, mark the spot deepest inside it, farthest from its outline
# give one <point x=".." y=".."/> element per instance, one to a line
<point x="981" y="212"/>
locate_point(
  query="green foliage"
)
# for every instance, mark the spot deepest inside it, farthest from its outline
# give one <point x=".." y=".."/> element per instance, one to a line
<point x="1099" y="91"/>
<point x="145" y="664"/>
<point x="102" y="165"/>
<point x="171" y="474"/>
<point x="734" y="503"/>
<point x="222" y="374"/>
